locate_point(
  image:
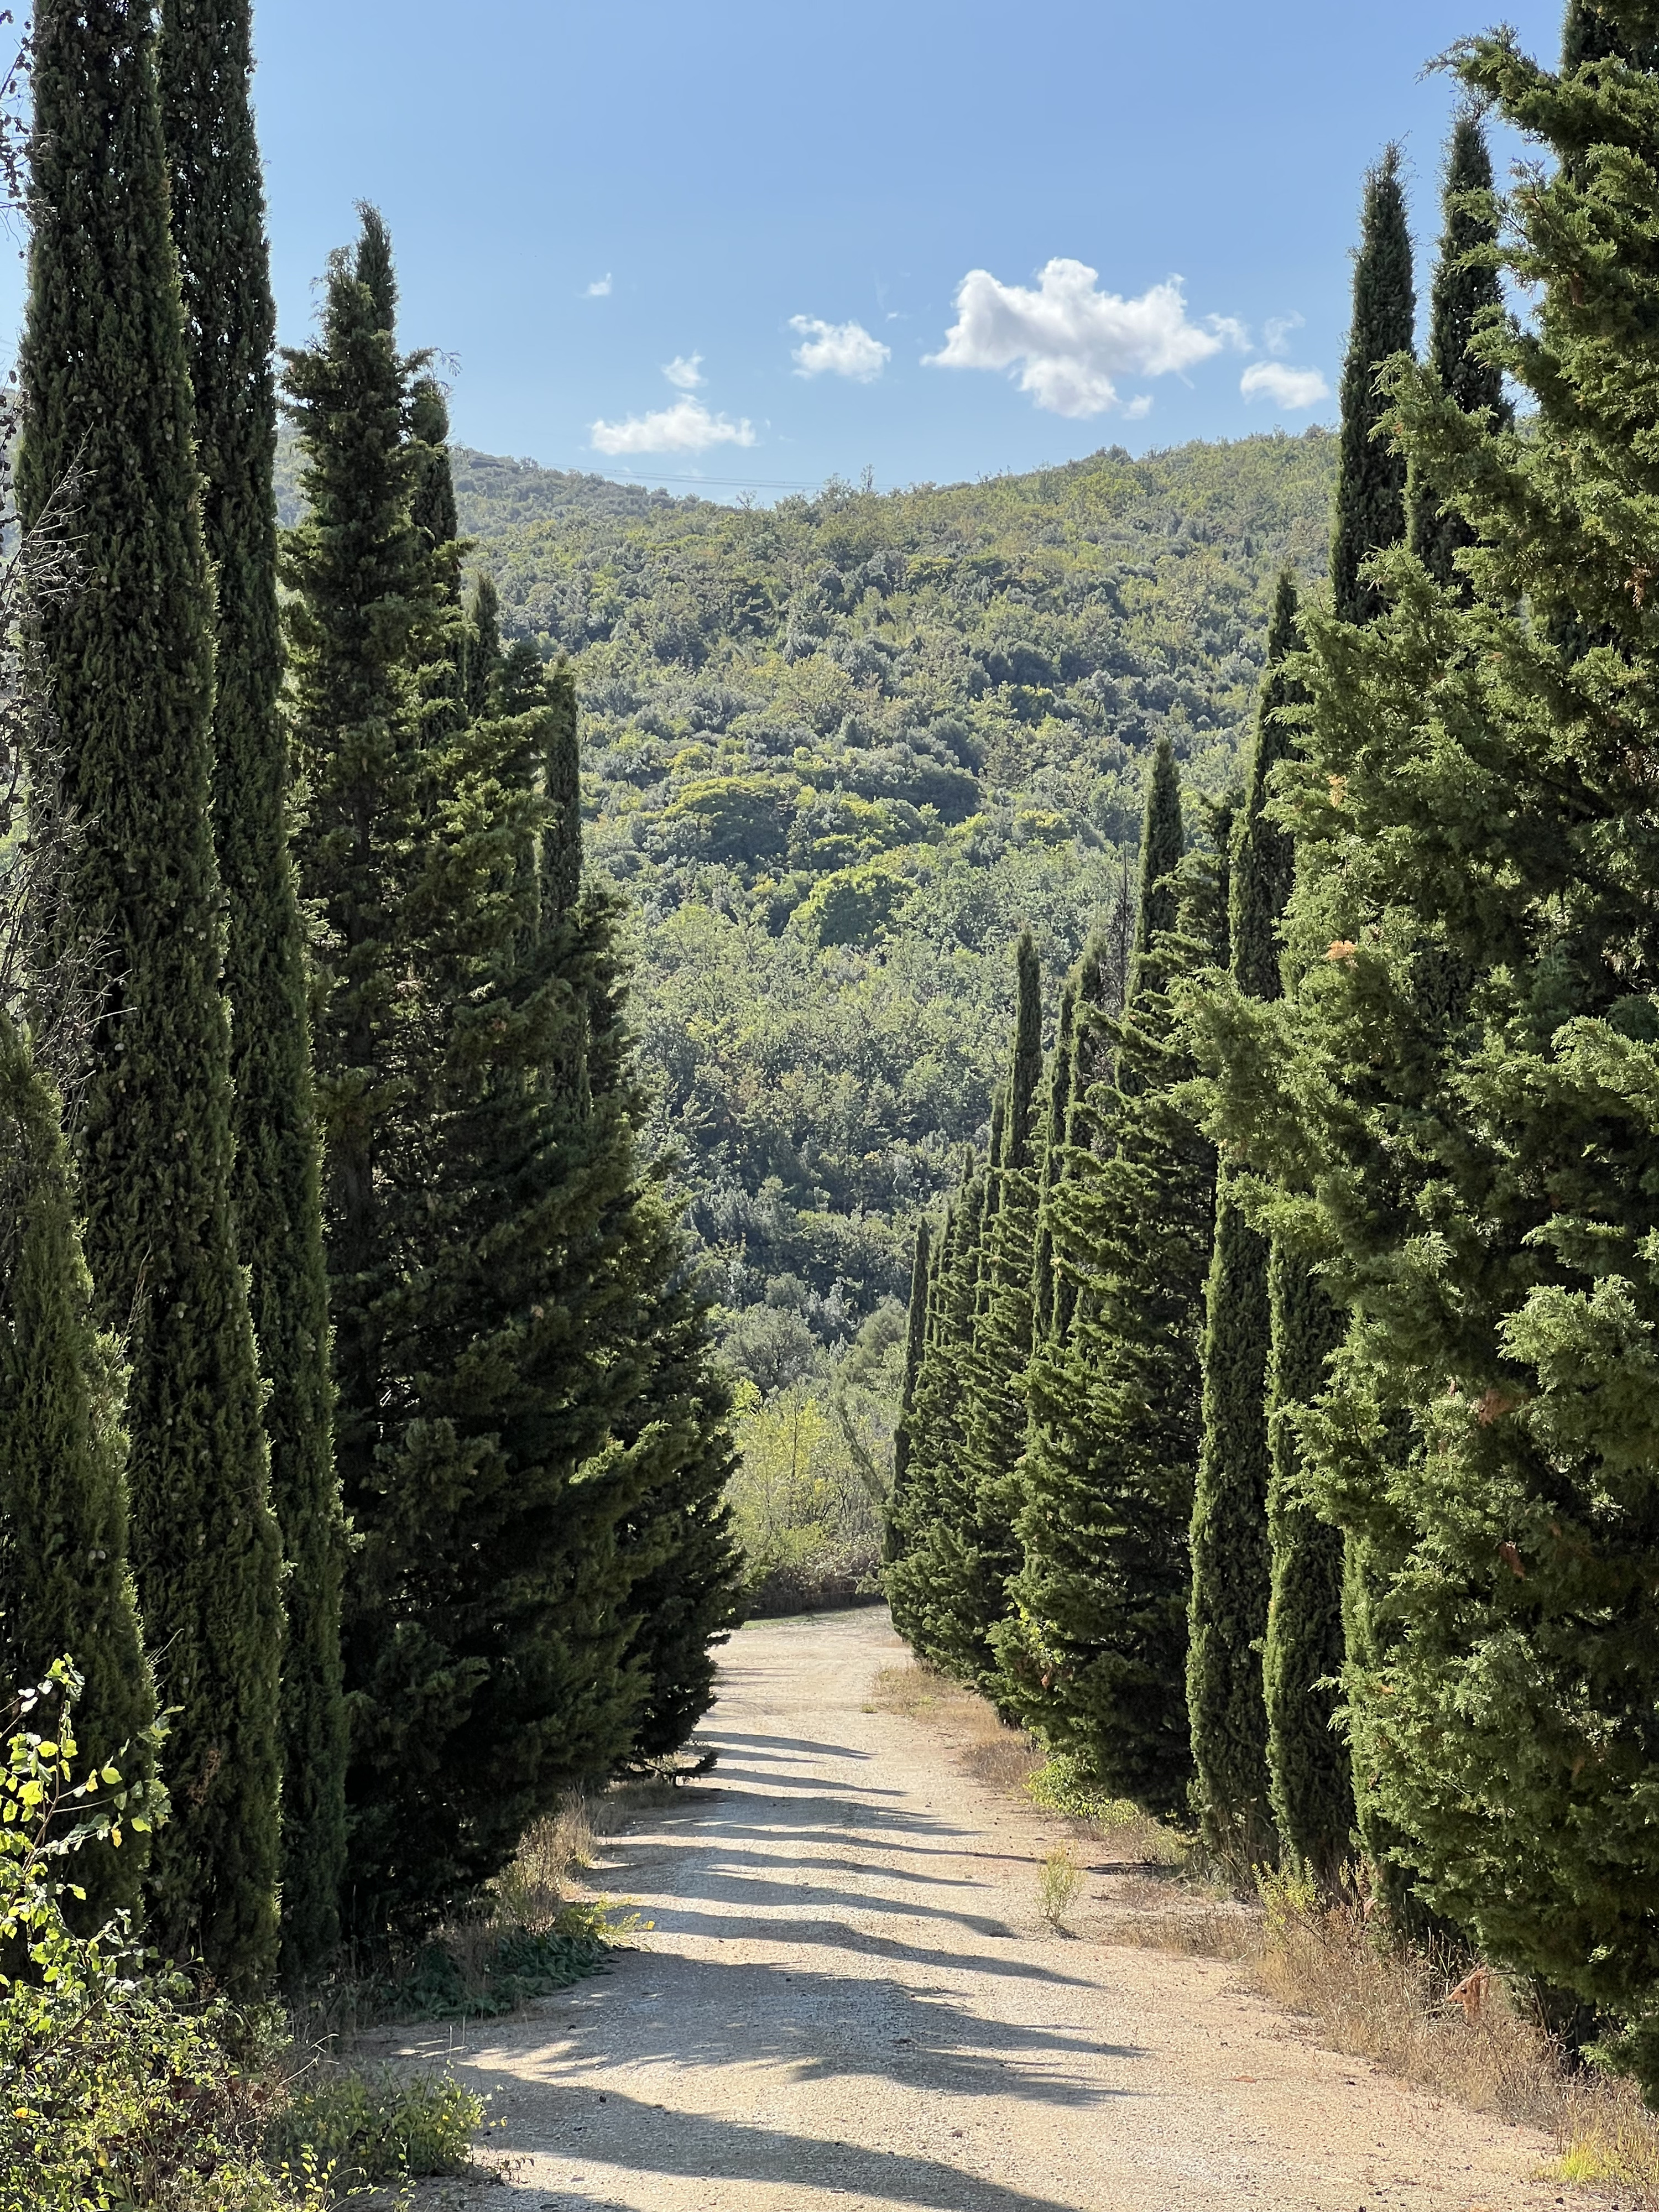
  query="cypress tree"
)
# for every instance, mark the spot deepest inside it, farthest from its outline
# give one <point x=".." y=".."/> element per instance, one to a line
<point x="1465" y="299"/>
<point x="130" y="666"/>
<point x="527" y="1422"/>
<point x="682" y="1561"/>
<point x="65" y="1582"/>
<point x="1475" y="1165"/>
<point x="217" y="204"/>
<point x="1095" y="1656"/>
<point x="915" y="1342"/>
<point x="1233" y="1564"/>
<point x="1062" y="1068"/>
<point x="1371" y="493"/>
<point x="983" y="1554"/>
<point x="483" y="645"/>
<point x="933" y="1508"/>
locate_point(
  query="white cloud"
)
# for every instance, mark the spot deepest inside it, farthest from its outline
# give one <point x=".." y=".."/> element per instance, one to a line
<point x="1231" y="331"/>
<point x="687" y="427"/>
<point x="1139" y="405"/>
<point x="599" y="289"/>
<point x="1277" y="330"/>
<point x="1070" y="340"/>
<point x="1288" y="387"/>
<point x="684" y="372"/>
<point x="838" y="348"/>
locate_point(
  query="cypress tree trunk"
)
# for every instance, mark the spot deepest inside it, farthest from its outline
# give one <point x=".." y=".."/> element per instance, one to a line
<point x="65" y="1584"/>
<point x="130" y="664"/>
<point x="1463" y="301"/>
<point x="218" y="228"/>
<point x="1371" y="491"/>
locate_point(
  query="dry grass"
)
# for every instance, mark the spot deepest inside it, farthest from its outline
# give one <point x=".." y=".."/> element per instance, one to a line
<point x="1058" y="1888"/>
<point x="1001" y="1757"/>
<point x="1008" y="1759"/>
<point x="1461" y="2035"/>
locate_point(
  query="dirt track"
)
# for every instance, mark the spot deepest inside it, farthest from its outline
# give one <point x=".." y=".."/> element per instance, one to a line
<point x="849" y="2000"/>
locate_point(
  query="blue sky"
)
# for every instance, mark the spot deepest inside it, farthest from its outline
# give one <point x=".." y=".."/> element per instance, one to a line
<point x="582" y="197"/>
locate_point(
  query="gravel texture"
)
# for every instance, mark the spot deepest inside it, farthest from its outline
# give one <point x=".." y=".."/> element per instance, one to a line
<point x="849" y="1999"/>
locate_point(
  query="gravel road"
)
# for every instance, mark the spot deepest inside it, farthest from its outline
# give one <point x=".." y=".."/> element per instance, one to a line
<point x="849" y="1999"/>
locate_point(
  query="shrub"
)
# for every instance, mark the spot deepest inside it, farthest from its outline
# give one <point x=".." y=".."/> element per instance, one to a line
<point x="361" y="2128"/>
<point x="116" y="2087"/>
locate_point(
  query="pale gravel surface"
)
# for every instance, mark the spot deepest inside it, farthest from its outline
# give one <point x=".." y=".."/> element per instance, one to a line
<point x="849" y="2000"/>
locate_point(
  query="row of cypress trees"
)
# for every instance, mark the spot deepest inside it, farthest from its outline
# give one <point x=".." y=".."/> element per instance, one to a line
<point x="1332" y="1526"/>
<point x="358" y="1436"/>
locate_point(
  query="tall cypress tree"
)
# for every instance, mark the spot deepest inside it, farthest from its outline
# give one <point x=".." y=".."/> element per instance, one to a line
<point x="1095" y="1655"/>
<point x="528" y="1418"/>
<point x="1233" y="1561"/>
<point x="129" y="665"/>
<point x="984" y="1553"/>
<point x="1475" y="1164"/>
<point x="934" y="1506"/>
<point x="1371" y="488"/>
<point x="916" y="1344"/>
<point x="1466" y="298"/>
<point x="65" y="1582"/>
<point x="217" y="203"/>
<point x="367" y="601"/>
<point x="1063" y="1069"/>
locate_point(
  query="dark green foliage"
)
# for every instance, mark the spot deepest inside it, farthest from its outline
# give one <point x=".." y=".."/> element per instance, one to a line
<point x="1095" y="1656"/>
<point x="1232" y="1563"/>
<point x="939" y="1500"/>
<point x="1303" y="1654"/>
<point x="1465" y="297"/>
<point x="527" y="1422"/>
<point x="977" y="1553"/>
<point x="65" y="1585"/>
<point x="1231" y="1558"/>
<point x="683" y="1565"/>
<point x="1264" y="863"/>
<point x="1063" y="1069"/>
<point x="129" y="665"/>
<point x="1462" y="1115"/>
<point x="1591" y="33"/>
<point x="483" y="645"/>
<point x="915" y="1343"/>
<point x="1371" y="488"/>
<point x="218" y="228"/>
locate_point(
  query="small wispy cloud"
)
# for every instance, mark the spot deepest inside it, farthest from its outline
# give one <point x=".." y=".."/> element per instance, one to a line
<point x="1140" y="405"/>
<point x="599" y="289"/>
<point x="1290" y="388"/>
<point x="1231" y="331"/>
<point x="837" y="349"/>
<point x="684" y="372"/>
<point x="687" y="427"/>
<point x="1276" y="331"/>
<point x="1069" y="340"/>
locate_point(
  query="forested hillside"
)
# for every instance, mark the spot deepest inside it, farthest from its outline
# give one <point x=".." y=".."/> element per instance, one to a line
<point x="840" y="750"/>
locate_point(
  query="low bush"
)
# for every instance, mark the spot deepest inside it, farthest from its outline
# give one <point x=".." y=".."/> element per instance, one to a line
<point x="359" y="2129"/>
<point x="117" y="2087"/>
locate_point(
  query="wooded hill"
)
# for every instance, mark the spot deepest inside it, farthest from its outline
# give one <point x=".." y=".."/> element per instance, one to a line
<point x="841" y="750"/>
